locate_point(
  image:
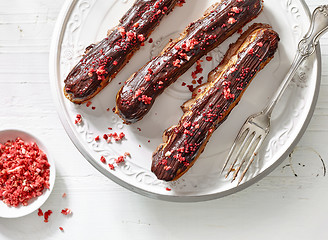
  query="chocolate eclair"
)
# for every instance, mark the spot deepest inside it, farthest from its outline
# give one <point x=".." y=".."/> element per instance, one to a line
<point x="220" y="21"/>
<point x="213" y="101"/>
<point x="104" y="60"/>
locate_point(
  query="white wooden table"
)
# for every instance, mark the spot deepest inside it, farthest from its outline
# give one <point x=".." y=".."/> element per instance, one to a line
<point x="289" y="203"/>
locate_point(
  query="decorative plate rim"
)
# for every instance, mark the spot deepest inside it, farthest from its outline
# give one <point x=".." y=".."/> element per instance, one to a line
<point x="55" y="48"/>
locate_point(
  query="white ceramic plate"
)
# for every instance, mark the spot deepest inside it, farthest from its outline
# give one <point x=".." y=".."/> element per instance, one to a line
<point x="83" y="22"/>
<point x="34" y="204"/>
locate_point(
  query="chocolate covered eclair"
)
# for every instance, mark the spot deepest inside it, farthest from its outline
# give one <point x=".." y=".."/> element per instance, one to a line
<point x="213" y="101"/>
<point x="219" y="22"/>
<point x="104" y="60"/>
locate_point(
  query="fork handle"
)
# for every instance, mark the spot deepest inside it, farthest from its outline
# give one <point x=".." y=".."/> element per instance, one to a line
<point x="306" y="47"/>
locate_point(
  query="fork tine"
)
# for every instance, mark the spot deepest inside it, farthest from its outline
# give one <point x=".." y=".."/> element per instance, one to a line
<point x="252" y="157"/>
<point x="240" y="143"/>
<point x="237" y="140"/>
<point x="249" y="146"/>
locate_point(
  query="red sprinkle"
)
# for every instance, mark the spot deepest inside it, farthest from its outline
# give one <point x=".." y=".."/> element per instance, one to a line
<point x="168" y="189"/>
<point x="61" y="229"/>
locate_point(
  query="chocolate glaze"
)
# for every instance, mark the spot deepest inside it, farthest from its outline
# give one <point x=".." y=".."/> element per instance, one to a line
<point x="219" y="22"/>
<point x="113" y="52"/>
<point x="213" y="102"/>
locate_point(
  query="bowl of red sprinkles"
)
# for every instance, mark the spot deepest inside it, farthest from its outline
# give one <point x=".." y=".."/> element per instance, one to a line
<point x="27" y="173"/>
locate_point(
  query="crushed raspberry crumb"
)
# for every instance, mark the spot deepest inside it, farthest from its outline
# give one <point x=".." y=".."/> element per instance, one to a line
<point x="91" y="71"/>
<point x="103" y="159"/>
<point x="78" y="119"/>
<point x="122" y="31"/>
<point x="200" y="80"/>
<point x="176" y="63"/>
<point x="66" y="211"/>
<point x="181" y="2"/>
<point x="130" y="36"/>
<point x="101" y="72"/>
<point x="145" y="99"/>
<point x="226" y="91"/>
<point x="232" y="20"/>
<point x="198" y="70"/>
<point x="119" y="160"/>
<point x="117" y="137"/>
<point x="64" y="195"/>
<point x="40" y="213"/>
<point x="168" y="189"/>
<point x="191" y="88"/>
<point x="260" y="44"/>
<point x="24" y="172"/>
<point x="97" y="138"/>
<point x="251" y="51"/>
<point x="209" y="58"/>
<point x="111" y="166"/>
<point x="236" y="10"/>
<point x="46" y="215"/>
<point x="88" y="103"/>
<point x="141" y="38"/>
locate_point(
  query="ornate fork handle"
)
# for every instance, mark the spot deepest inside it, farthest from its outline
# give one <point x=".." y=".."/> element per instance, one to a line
<point x="306" y="47"/>
<point x="319" y="24"/>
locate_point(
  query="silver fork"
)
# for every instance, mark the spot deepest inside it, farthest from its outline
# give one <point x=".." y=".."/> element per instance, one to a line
<point x="257" y="126"/>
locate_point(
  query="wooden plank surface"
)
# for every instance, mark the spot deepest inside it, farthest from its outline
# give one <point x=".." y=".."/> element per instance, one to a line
<point x="289" y="203"/>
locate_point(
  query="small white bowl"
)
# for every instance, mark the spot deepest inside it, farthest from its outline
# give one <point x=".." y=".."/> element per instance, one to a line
<point x="34" y="204"/>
